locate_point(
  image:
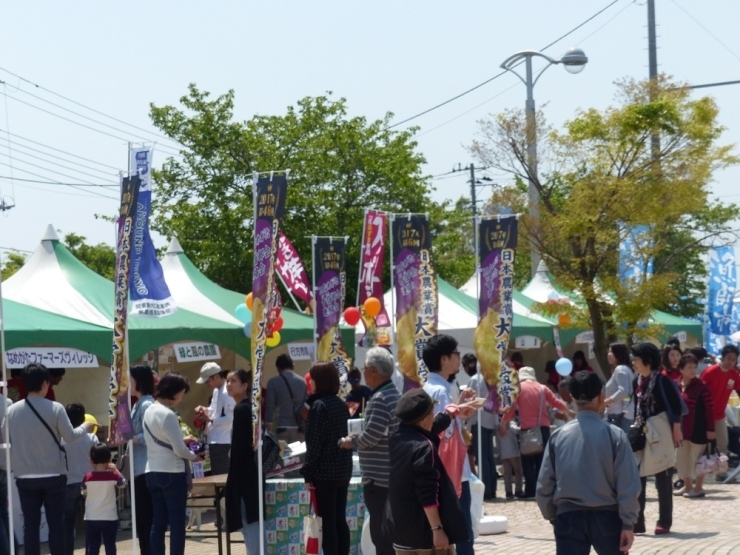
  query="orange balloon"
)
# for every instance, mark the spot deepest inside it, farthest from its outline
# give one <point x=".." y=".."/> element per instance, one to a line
<point x="563" y="319"/>
<point x="372" y="307"/>
<point x="250" y="301"/>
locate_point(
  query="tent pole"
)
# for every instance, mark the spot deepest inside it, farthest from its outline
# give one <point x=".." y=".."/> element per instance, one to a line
<point x="6" y="435"/>
<point x="292" y="298"/>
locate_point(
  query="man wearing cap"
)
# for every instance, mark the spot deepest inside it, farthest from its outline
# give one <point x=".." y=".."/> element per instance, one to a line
<point x="285" y="398"/>
<point x="589" y="483"/>
<point x="423" y="511"/>
<point x="218" y="416"/>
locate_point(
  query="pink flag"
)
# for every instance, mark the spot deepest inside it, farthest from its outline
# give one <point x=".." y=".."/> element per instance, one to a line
<point x="371" y="269"/>
<point x="291" y="270"/>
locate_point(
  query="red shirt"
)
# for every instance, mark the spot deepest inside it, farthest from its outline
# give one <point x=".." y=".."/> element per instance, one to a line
<point x="529" y="402"/>
<point x="674" y="374"/>
<point x="721" y="385"/>
<point x="50" y="394"/>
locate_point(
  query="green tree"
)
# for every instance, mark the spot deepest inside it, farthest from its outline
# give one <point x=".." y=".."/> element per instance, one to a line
<point x="604" y="179"/>
<point x="339" y="165"/>
<point x="14" y="261"/>
<point x="453" y="241"/>
<point x="100" y="258"/>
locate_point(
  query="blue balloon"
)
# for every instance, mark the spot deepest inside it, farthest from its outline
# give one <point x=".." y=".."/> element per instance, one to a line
<point x="564" y="366"/>
<point x="242" y="313"/>
<point x="248" y="330"/>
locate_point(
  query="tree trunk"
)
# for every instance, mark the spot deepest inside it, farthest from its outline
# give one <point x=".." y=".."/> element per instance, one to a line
<point x="601" y="338"/>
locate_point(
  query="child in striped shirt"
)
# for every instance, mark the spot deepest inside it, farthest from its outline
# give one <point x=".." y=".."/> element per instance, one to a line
<point x="101" y="514"/>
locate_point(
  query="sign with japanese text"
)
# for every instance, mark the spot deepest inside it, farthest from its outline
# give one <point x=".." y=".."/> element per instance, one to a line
<point x="148" y="291"/>
<point x="497" y="239"/>
<point x="51" y="357"/>
<point x="118" y="408"/>
<point x="269" y="205"/>
<point x="721" y="291"/>
<point x="302" y="351"/>
<point x="195" y="351"/>
<point x="291" y="270"/>
<point x="370" y="283"/>
<point x="330" y="282"/>
<point x="417" y="300"/>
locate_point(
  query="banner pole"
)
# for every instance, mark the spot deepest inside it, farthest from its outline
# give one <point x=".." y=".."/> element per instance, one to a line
<point x="391" y="219"/>
<point x="290" y="293"/>
<point x="476" y="220"/>
<point x="313" y="285"/>
<point x="362" y="245"/>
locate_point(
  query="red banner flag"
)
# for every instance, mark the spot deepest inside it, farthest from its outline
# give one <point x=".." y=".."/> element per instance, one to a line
<point x="291" y="270"/>
<point x="374" y="236"/>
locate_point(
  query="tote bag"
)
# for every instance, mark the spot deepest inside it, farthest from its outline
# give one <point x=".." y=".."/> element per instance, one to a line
<point x="530" y="441"/>
<point x="452" y="453"/>
<point x="312" y="529"/>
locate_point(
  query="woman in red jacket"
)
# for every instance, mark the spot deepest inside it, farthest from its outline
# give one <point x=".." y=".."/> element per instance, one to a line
<point x="697" y="426"/>
<point x="671" y="357"/>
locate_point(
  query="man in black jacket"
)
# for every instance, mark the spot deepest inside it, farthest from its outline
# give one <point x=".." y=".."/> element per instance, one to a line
<point x="423" y="511"/>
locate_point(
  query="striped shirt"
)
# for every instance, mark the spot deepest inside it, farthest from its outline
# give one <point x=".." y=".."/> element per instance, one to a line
<point x="372" y="444"/>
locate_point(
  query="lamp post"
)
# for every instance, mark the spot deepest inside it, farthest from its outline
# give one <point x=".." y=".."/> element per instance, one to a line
<point x="574" y="61"/>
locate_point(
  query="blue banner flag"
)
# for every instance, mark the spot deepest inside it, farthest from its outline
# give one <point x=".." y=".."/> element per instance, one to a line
<point x="721" y="291"/>
<point x="633" y="265"/>
<point x="148" y="291"/>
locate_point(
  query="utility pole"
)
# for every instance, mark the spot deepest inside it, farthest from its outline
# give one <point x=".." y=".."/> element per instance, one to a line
<point x="5" y="206"/>
<point x="473" y="184"/>
<point x="653" y="69"/>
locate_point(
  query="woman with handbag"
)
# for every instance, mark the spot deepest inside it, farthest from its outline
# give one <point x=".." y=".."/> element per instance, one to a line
<point x="697" y="426"/>
<point x="167" y="466"/>
<point x="658" y="424"/>
<point x="328" y="467"/>
<point x="618" y="389"/>
<point x="242" y="483"/>
<point x="535" y="424"/>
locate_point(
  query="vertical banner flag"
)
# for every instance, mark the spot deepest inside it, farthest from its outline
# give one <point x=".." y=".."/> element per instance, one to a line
<point x="497" y="239"/>
<point x="632" y="263"/>
<point x="330" y="282"/>
<point x="370" y="282"/>
<point x="149" y="293"/>
<point x="269" y="205"/>
<point x="721" y="291"/>
<point x="417" y="301"/>
<point x="119" y="414"/>
<point x="291" y="270"/>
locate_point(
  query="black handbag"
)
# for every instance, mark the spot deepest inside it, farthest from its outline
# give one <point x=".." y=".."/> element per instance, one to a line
<point x="636" y="437"/>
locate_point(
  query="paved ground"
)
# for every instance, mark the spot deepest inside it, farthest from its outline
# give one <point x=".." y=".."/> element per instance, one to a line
<point x="700" y="527"/>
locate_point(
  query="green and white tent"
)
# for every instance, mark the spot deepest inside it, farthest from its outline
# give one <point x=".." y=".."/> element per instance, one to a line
<point x="55" y="300"/>
<point x="540" y="288"/>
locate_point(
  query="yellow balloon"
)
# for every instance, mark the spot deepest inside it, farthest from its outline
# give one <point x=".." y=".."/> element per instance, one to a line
<point x="91" y="419"/>
<point x="273" y="341"/>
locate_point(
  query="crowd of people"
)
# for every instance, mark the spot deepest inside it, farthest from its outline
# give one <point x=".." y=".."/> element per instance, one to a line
<point x="584" y="448"/>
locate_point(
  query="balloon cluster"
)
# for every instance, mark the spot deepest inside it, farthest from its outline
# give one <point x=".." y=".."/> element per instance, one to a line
<point x="243" y="312"/>
<point x="371" y="306"/>
<point x="555" y="298"/>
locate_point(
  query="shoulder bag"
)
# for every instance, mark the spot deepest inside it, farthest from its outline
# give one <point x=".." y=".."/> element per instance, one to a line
<point x="188" y="473"/>
<point x="297" y="411"/>
<point x="56" y="440"/>
<point x="530" y="441"/>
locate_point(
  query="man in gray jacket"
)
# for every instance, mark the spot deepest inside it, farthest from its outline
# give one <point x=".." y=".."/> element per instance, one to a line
<point x="589" y="483"/>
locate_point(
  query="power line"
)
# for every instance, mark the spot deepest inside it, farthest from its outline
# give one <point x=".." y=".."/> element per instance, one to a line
<point x="81" y="115"/>
<point x="52" y="170"/>
<point x="58" y="150"/>
<point x="58" y="182"/>
<point x="59" y="173"/>
<point x="105" y="172"/>
<point x="499" y="74"/>
<point x="154" y="133"/>
<point x="706" y="30"/>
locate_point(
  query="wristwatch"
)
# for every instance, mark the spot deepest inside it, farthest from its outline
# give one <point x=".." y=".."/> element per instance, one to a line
<point x="438" y="527"/>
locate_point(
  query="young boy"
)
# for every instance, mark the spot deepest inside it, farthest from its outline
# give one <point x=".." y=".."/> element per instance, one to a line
<point x="78" y="462"/>
<point x="101" y="513"/>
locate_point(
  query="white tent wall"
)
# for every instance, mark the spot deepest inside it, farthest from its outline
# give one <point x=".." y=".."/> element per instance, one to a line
<point x="88" y="386"/>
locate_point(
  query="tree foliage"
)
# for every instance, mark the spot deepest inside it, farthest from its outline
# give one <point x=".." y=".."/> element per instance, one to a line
<point x="600" y="177"/>
<point x="453" y="241"/>
<point x="339" y="165"/>
<point x="14" y="261"/>
<point x="100" y="258"/>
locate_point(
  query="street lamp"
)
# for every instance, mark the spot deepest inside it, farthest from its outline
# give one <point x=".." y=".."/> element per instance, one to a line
<point x="574" y="61"/>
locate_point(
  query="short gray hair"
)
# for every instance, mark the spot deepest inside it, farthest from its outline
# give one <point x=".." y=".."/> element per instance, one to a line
<point x="382" y="360"/>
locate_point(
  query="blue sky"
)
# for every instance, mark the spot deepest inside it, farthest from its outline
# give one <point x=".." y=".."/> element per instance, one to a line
<point x="401" y="57"/>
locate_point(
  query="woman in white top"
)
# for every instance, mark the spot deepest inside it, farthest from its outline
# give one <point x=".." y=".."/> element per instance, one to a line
<point x="618" y="390"/>
<point x="167" y="464"/>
